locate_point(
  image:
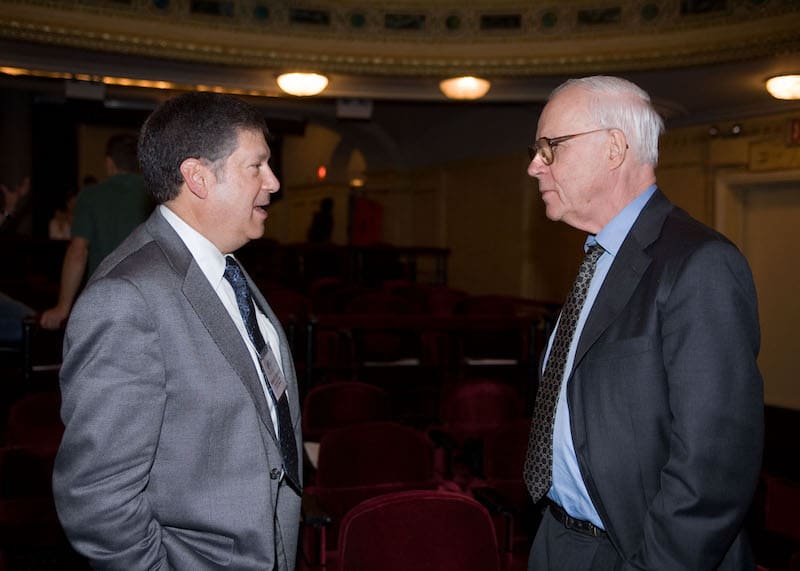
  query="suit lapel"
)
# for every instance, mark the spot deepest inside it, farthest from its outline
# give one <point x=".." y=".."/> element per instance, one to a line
<point x="212" y="313"/>
<point x="625" y="273"/>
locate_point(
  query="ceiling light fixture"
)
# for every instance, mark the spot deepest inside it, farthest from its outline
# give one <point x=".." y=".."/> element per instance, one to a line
<point x="784" y="86"/>
<point x="302" y="84"/>
<point x="466" y="87"/>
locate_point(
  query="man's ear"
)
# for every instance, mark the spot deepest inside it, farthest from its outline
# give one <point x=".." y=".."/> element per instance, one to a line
<point x="197" y="176"/>
<point x="618" y="148"/>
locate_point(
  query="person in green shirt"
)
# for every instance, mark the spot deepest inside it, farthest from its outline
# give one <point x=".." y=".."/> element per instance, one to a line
<point x="105" y="214"/>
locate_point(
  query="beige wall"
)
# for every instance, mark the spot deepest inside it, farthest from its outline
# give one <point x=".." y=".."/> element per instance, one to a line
<point x="486" y="210"/>
<point x="92" y="141"/>
<point x="771" y="216"/>
<point x="760" y="211"/>
<point x="748" y="187"/>
<point x="303" y="154"/>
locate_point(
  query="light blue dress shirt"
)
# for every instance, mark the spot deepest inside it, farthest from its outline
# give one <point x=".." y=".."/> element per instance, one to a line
<point x="568" y="489"/>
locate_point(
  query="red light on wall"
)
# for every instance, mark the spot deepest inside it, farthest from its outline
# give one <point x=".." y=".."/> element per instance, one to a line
<point x="322" y="172"/>
<point x="794" y="132"/>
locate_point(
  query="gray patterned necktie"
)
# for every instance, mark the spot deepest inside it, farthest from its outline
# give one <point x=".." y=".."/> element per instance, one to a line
<point x="235" y="276"/>
<point x="539" y="460"/>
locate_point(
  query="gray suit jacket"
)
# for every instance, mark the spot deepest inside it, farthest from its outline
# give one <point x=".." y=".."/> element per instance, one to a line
<point x="665" y="396"/>
<point x="168" y="455"/>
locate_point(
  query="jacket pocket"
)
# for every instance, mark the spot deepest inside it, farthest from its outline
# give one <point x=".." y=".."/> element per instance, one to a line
<point x="623" y="348"/>
<point x="212" y="546"/>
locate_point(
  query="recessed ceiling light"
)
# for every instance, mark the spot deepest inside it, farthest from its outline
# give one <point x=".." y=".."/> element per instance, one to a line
<point x="466" y="87"/>
<point x="302" y="84"/>
<point x="784" y="86"/>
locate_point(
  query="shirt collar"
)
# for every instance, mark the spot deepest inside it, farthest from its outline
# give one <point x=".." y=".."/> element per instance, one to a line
<point x="206" y="254"/>
<point x="614" y="233"/>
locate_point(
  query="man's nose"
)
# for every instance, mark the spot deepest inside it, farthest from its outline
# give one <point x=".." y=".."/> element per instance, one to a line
<point x="271" y="183"/>
<point x="537" y="167"/>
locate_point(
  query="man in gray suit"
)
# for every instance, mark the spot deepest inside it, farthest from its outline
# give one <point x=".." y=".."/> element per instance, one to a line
<point x="179" y="394"/>
<point x="648" y="424"/>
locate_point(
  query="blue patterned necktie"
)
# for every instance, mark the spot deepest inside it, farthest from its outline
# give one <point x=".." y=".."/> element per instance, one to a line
<point x="539" y="460"/>
<point x="235" y="276"/>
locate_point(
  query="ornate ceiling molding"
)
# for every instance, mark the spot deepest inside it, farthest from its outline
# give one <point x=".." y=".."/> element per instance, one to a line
<point x="500" y="38"/>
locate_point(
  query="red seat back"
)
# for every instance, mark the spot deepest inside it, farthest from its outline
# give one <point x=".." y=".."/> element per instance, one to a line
<point x="340" y="404"/>
<point x="475" y="408"/>
<point x="34" y="421"/>
<point x="419" y="530"/>
<point x="367" y="460"/>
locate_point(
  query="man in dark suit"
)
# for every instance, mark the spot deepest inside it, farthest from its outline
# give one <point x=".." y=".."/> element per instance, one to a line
<point x="179" y="392"/>
<point x="647" y="433"/>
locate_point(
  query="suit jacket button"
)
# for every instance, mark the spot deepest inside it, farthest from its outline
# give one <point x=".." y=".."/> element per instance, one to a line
<point x="275" y="473"/>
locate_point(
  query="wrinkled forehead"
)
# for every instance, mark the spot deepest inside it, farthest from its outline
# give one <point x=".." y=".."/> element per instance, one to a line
<point x="567" y="112"/>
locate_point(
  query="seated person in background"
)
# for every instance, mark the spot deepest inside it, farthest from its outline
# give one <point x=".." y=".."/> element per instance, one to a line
<point x="12" y="312"/>
<point x="105" y="214"/>
<point x="60" y="226"/>
<point x="14" y="201"/>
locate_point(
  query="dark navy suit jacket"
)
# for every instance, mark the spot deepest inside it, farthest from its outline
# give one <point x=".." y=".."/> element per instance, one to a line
<point x="666" y="399"/>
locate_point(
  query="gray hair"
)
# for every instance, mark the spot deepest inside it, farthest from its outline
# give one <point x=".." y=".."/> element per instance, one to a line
<point x="627" y="107"/>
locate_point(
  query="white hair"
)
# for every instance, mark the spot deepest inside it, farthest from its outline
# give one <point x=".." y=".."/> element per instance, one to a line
<point x="617" y="103"/>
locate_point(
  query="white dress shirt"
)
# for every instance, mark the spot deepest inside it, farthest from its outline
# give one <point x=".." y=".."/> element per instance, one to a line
<point x="212" y="263"/>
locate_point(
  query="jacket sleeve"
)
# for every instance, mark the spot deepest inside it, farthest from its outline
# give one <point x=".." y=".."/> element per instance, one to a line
<point x="710" y="333"/>
<point x="113" y="391"/>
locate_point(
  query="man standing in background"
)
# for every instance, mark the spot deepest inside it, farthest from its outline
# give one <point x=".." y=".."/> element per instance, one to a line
<point x="105" y="214"/>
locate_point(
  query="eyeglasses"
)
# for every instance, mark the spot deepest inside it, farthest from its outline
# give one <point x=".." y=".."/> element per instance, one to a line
<point x="544" y="146"/>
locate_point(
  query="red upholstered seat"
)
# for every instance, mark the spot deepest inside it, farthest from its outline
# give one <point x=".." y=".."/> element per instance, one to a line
<point x="376" y="346"/>
<point x="419" y="530"/>
<point x="34" y="421"/>
<point x="340" y="404"/>
<point x="508" y="346"/>
<point x="782" y="507"/>
<point x="503" y="485"/>
<point x="364" y="461"/>
<point x="471" y="410"/>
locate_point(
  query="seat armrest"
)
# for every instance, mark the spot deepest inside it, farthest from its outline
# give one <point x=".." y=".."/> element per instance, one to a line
<point x="315" y="523"/>
<point x="494" y="502"/>
<point x="312" y="512"/>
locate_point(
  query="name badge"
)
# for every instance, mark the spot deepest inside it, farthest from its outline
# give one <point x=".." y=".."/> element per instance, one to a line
<point x="273" y="372"/>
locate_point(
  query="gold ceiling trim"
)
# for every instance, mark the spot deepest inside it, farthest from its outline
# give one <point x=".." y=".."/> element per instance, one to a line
<point x="136" y="30"/>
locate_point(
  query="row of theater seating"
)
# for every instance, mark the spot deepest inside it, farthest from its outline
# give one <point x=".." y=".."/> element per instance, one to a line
<point x="362" y="453"/>
<point x="475" y="428"/>
<point x="30" y="534"/>
<point x="414" y="354"/>
<point x="382" y="339"/>
<point x="476" y="450"/>
<point x="412" y="339"/>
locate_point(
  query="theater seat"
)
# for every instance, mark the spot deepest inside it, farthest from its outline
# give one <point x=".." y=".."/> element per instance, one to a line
<point x="357" y="463"/>
<point x="419" y="530"/>
<point x="340" y="404"/>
